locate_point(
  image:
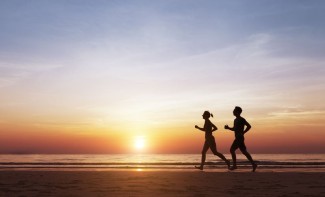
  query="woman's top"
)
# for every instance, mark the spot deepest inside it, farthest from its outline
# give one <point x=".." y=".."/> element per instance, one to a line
<point x="208" y="129"/>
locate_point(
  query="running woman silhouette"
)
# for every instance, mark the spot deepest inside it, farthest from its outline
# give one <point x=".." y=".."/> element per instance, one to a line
<point x="239" y="142"/>
<point x="210" y="142"/>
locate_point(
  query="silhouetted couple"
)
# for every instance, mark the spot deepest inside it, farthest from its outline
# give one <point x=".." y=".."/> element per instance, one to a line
<point x="239" y="128"/>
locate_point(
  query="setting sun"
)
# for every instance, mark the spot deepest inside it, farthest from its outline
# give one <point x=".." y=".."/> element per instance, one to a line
<point x="139" y="142"/>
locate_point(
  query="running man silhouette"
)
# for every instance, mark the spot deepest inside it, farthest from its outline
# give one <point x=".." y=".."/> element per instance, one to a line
<point x="239" y="142"/>
<point x="208" y="128"/>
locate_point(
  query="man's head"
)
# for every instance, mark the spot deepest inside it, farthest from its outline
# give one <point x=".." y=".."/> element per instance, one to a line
<point x="237" y="111"/>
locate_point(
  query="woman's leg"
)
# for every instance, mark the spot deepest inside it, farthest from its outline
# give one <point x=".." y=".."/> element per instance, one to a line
<point x="204" y="151"/>
<point x="213" y="148"/>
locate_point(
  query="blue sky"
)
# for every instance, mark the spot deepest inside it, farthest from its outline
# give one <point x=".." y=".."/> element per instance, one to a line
<point x="157" y="62"/>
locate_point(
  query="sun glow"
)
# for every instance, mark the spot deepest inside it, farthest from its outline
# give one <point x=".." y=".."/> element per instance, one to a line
<point x="139" y="142"/>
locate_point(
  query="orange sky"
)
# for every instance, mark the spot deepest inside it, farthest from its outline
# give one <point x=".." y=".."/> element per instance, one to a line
<point x="282" y="137"/>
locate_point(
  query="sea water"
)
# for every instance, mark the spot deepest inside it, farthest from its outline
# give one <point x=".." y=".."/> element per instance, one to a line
<point x="153" y="161"/>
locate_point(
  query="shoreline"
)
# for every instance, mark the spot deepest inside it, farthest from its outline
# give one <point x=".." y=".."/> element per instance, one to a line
<point x="137" y="169"/>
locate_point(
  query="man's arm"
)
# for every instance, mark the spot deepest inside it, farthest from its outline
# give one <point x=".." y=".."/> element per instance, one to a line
<point x="248" y="127"/>
<point x="229" y="128"/>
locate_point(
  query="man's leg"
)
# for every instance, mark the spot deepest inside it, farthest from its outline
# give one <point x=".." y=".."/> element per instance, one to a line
<point x="243" y="149"/>
<point x="248" y="156"/>
<point x="233" y="148"/>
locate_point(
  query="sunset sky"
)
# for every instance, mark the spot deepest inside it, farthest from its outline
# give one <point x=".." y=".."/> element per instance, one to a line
<point x="97" y="76"/>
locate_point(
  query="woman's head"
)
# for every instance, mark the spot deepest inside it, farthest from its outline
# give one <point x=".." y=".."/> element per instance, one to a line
<point x="207" y="115"/>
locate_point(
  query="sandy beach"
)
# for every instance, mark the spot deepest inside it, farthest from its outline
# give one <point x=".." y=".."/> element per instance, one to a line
<point x="160" y="183"/>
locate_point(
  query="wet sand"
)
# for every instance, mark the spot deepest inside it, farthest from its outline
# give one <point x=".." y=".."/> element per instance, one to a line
<point x="160" y="183"/>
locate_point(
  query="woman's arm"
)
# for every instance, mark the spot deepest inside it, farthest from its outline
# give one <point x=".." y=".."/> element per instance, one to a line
<point x="214" y="128"/>
<point x="197" y="127"/>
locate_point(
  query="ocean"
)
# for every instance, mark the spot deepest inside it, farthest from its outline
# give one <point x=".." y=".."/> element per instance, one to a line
<point x="153" y="161"/>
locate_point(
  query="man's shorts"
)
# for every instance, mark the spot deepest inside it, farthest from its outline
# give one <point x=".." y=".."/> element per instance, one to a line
<point x="239" y="143"/>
